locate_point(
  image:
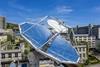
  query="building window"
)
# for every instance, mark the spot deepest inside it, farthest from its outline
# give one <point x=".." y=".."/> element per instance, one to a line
<point x="16" y="54"/>
<point x="93" y="41"/>
<point x="89" y="39"/>
<point x="76" y="48"/>
<point x="3" y="65"/>
<point x="80" y="39"/>
<point x="84" y="55"/>
<point x="80" y="55"/>
<point x="3" y="55"/>
<point x="85" y="39"/>
<point x="83" y="49"/>
<point x="79" y="49"/>
<point x="9" y="55"/>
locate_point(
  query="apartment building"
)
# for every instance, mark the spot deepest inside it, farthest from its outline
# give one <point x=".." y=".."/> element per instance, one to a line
<point x="89" y="34"/>
<point x="91" y="40"/>
<point x="10" y="52"/>
<point x="82" y="50"/>
<point x="7" y="56"/>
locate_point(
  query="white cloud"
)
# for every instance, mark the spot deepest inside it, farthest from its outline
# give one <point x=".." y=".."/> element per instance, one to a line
<point x="64" y="9"/>
<point x="14" y="5"/>
<point x="21" y="10"/>
<point x="95" y="9"/>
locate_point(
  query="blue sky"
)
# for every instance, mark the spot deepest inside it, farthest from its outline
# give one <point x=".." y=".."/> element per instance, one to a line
<point x="73" y="12"/>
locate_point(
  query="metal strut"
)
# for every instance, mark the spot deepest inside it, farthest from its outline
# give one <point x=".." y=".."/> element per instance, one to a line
<point x="48" y="43"/>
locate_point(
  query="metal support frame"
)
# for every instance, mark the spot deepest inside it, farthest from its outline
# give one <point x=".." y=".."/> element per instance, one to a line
<point x="48" y="43"/>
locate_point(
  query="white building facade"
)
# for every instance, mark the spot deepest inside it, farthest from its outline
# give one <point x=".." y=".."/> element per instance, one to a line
<point x="99" y="32"/>
<point x="85" y="37"/>
<point x="82" y="50"/>
<point x="8" y="56"/>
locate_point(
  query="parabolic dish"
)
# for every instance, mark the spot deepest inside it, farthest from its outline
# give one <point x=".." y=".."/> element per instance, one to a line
<point x="57" y="49"/>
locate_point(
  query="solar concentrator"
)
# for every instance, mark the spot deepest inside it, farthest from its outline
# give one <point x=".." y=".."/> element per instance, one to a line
<point x="48" y="43"/>
<point x="36" y="33"/>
